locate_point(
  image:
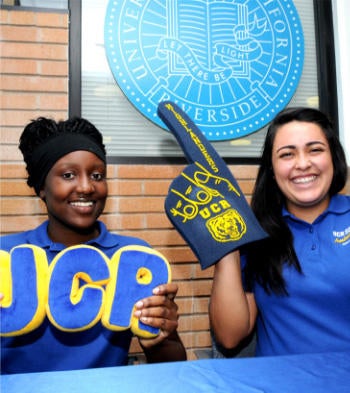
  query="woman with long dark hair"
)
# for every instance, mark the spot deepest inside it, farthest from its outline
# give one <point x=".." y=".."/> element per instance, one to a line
<point x="294" y="289"/>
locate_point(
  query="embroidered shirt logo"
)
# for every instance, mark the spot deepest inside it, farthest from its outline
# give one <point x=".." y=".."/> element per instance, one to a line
<point x="231" y="65"/>
<point x="342" y="237"/>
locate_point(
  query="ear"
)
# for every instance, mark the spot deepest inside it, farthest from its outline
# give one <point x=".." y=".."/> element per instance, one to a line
<point x="42" y="194"/>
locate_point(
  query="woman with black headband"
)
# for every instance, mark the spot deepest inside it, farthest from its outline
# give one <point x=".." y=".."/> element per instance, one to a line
<point x="66" y="165"/>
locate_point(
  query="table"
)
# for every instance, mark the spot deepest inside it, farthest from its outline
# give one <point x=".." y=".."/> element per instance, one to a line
<point x="312" y="373"/>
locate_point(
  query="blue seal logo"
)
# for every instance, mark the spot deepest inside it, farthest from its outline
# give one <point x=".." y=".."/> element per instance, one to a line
<point x="231" y="65"/>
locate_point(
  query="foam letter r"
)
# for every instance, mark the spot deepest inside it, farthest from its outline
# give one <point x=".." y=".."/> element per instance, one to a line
<point x="135" y="272"/>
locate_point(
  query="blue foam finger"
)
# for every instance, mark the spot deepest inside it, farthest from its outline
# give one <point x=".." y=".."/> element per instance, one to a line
<point x="191" y="139"/>
<point x="205" y="203"/>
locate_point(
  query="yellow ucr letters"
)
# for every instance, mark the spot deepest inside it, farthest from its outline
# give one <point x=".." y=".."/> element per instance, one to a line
<point x="79" y="288"/>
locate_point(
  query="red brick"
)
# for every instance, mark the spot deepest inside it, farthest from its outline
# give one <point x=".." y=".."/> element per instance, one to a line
<point x="157" y="187"/>
<point x="20" y="206"/>
<point x="197" y="340"/>
<point x="177" y="253"/>
<point x="193" y="323"/>
<point x="190" y="305"/>
<point x="11" y="118"/>
<point x="34" y="50"/>
<point x="17" y="171"/>
<point x="52" y="67"/>
<point x="13" y="188"/>
<point x="25" y="101"/>
<point x="39" y="84"/>
<point x="195" y="288"/>
<point x="149" y="171"/>
<point x="18" y="66"/>
<point x="10" y="153"/>
<point x="20" y="18"/>
<point x="20" y="223"/>
<point x="123" y="187"/>
<point x="52" y="19"/>
<point x="33" y="33"/>
<point x="34" y="67"/>
<point x="141" y="204"/>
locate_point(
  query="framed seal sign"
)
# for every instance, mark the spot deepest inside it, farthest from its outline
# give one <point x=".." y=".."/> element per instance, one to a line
<point x="230" y="65"/>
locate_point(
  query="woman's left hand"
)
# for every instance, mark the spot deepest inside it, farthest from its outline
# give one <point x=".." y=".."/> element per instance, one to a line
<point x="159" y="311"/>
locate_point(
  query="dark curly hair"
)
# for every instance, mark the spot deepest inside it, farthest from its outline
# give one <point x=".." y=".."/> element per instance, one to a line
<point x="35" y="134"/>
<point x="38" y="134"/>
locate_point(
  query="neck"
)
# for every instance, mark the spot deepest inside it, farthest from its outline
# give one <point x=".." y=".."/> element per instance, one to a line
<point x="71" y="236"/>
<point x="308" y="213"/>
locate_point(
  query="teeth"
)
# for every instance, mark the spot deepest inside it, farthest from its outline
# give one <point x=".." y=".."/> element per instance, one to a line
<point x="302" y="180"/>
<point x="82" y="204"/>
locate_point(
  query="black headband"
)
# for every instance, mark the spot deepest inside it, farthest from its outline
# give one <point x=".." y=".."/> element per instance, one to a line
<point x="45" y="156"/>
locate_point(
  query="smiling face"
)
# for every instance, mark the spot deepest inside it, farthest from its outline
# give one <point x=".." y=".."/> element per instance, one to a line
<point x="75" y="193"/>
<point x="303" y="169"/>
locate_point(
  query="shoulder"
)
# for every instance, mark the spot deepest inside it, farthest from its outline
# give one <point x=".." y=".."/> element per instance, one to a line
<point x="123" y="240"/>
<point x="37" y="236"/>
<point x="342" y="197"/>
<point x="110" y="242"/>
<point x="7" y="242"/>
<point x="340" y="204"/>
<point x="111" y="238"/>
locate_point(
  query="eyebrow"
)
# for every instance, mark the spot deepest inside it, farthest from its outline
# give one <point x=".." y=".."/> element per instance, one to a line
<point x="294" y="147"/>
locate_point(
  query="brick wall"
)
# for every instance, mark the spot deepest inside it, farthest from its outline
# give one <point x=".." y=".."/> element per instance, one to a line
<point x="34" y="72"/>
<point x="34" y="82"/>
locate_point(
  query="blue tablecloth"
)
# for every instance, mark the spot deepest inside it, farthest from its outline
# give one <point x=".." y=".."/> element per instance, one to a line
<point x="313" y="373"/>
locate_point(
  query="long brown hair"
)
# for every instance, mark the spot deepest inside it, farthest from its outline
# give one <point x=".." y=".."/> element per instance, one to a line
<point x="266" y="259"/>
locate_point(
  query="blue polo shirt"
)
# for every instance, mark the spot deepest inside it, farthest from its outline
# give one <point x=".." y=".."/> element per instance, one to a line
<point x="315" y="317"/>
<point x="50" y="349"/>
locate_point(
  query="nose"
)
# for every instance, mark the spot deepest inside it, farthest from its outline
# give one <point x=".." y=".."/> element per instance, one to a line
<point x="303" y="161"/>
<point x="85" y="185"/>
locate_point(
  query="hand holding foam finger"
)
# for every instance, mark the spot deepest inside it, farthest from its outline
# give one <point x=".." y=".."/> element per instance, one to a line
<point x="205" y="203"/>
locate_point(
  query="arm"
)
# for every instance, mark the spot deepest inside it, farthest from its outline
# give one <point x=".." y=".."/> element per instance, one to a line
<point x="232" y="312"/>
<point x="161" y="311"/>
<point x="170" y="349"/>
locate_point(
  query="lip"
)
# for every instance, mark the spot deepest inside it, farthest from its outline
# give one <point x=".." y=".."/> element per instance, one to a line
<point x="82" y="203"/>
<point x="83" y="207"/>
<point x="304" y="180"/>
